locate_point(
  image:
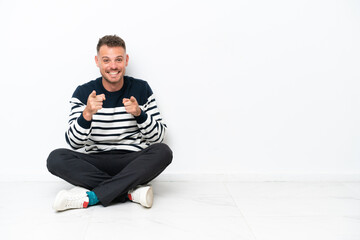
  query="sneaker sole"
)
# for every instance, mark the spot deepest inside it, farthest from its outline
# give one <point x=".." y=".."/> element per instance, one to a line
<point x="149" y="198"/>
<point x="57" y="203"/>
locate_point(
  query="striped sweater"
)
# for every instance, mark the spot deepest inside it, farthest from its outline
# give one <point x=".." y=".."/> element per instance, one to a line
<point x="112" y="128"/>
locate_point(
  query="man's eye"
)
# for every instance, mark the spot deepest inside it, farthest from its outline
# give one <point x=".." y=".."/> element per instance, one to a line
<point x="105" y="60"/>
<point x="119" y="60"/>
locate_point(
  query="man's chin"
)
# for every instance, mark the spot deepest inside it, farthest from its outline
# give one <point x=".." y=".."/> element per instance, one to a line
<point x="112" y="81"/>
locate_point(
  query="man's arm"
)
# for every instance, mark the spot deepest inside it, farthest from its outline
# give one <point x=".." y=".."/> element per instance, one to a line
<point x="148" y="119"/>
<point x="80" y="119"/>
<point x="94" y="104"/>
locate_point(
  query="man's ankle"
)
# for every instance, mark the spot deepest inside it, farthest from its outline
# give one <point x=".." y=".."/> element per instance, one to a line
<point x="92" y="198"/>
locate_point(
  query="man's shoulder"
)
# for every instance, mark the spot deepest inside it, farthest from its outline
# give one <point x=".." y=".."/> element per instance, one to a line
<point x="136" y="81"/>
<point x="91" y="85"/>
<point x="82" y="91"/>
<point x="136" y="84"/>
<point x="138" y="88"/>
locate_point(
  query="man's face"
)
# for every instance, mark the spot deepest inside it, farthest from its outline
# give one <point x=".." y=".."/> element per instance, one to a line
<point x="112" y="62"/>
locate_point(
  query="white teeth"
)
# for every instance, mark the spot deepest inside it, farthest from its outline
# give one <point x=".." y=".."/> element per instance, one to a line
<point x="113" y="73"/>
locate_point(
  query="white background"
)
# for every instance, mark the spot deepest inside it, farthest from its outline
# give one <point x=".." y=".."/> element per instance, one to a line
<point x="247" y="88"/>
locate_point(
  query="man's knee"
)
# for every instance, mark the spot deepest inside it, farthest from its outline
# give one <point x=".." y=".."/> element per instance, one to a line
<point x="55" y="161"/>
<point x="164" y="152"/>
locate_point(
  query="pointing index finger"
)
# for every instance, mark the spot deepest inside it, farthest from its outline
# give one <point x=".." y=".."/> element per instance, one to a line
<point x="102" y="96"/>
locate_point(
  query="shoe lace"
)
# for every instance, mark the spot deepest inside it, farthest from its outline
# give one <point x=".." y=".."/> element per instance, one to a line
<point x="75" y="200"/>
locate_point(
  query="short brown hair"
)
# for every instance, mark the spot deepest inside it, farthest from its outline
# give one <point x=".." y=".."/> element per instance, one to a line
<point x="111" y="41"/>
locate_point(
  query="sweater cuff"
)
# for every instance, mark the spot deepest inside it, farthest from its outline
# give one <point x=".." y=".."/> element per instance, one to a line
<point x="83" y="122"/>
<point x="141" y="118"/>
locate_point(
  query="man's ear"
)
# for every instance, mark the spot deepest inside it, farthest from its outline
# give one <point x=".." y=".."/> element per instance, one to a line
<point x="127" y="60"/>
<point x="97" y="61"/>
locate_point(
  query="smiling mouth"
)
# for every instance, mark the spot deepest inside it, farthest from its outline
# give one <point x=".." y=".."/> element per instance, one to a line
<point x="113" y="73"/>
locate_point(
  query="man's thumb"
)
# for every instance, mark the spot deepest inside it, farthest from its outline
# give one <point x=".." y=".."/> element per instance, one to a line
<point x="93" y="93"/>
<point x="133" y="99"/>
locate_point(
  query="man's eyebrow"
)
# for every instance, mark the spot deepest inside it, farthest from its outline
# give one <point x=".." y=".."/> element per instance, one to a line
<point x="120" y="56"/>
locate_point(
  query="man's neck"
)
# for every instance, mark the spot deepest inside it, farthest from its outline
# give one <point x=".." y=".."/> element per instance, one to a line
<point x="113" y="87"/>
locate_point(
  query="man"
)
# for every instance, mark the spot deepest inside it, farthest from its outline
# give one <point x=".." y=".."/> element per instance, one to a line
<point x="116" y="120"/>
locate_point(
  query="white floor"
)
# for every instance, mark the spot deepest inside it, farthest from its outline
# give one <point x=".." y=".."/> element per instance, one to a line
<point x="188" y="210"/>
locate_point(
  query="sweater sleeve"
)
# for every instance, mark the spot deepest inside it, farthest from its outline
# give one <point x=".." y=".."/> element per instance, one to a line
<point x="79" y="129"/>
<point x="150" y="122"/>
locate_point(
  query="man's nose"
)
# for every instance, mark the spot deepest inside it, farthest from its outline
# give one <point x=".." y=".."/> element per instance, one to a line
<point x="113" y="65"/>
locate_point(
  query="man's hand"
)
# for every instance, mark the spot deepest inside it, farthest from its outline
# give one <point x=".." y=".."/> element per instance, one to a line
<point x="132" y="106"/>
<point x="94" y="104"/>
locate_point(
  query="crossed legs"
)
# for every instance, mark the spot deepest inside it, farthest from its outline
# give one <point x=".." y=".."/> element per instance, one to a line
<point x="110" y="174"/>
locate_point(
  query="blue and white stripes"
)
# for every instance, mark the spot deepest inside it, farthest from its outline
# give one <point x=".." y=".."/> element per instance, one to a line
<point x="112" y="128"/>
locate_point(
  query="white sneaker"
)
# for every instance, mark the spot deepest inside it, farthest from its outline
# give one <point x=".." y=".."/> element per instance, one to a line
<point x="143" y="195"/>
<point x="69" y="199"/>
<point x="79" y="190"/>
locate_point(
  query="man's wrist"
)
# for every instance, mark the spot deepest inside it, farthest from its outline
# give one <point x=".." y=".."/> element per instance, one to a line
<point x="87" y="116"/>
<point x="138" y="112"/>
<point x="141" y="118"/>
